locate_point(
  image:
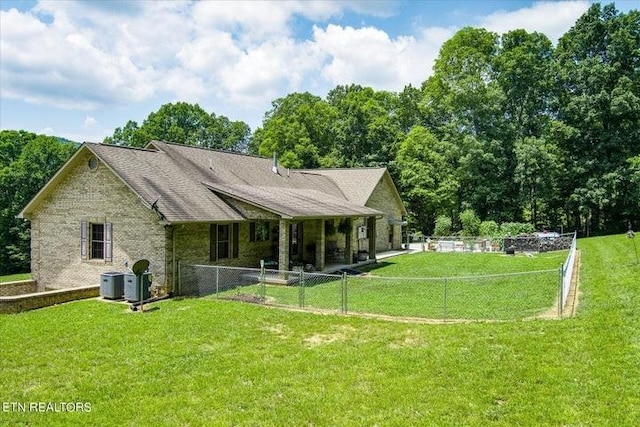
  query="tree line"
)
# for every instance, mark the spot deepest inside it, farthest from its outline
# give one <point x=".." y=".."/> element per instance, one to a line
<point x="508" y="128"/>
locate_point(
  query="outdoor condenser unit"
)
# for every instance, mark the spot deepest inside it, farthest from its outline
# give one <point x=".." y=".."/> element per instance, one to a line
<point x="112" y="285"/>
<point x="132" y="287"/>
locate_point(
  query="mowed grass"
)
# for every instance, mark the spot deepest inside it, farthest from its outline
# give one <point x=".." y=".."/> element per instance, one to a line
<point x="431" y="285"/>
<point x="216" y="362"/>
<point x="15" y="277"/>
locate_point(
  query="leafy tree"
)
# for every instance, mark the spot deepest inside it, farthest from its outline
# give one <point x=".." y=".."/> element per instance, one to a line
<point x="366" y="129"/>
<point x="538" y="166"/>
<point x="427" y="176"/>
<point x="598" y="64"/>
<point x="32" y="161"/>
<point x="185" y="124"/>
<point x="299" y="129"/>
<point x="463" y="104"/>
<point x="523" y="70"/>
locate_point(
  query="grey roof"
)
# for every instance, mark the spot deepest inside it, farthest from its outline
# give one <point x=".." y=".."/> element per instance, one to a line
<point x="158" y="178"/>
<point x="289" y="202"/>
<point x="190" y="184"/>
<point x="356" y="184"/>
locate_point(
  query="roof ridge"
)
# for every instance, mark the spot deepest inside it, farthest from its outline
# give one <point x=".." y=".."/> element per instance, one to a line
<point x="127" y="147"/>
<point x="340" y="169"/>
<point x="215" y="150"/>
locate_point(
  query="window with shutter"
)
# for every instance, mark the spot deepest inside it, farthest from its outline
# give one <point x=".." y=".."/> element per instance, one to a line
<point x="96" y="241"/>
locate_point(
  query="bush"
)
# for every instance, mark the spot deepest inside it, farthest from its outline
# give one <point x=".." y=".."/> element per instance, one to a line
<point x="489" y="229"/>
<point x="443" y="226"/>
<point x="470" y="223"/>
<point x="516" y="228"/>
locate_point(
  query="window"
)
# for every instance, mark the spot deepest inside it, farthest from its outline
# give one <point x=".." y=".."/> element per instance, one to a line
<point x="224" y="241"/>
<point x="259" y="231"/>
<point x="96" y="241"/>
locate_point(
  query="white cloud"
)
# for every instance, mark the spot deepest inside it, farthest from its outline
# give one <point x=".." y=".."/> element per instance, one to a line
<point x="368" y="56"/>
<point x="90" y="122"/>
<point x="46" y="131"/>
<point x="60" y="64"/>
<point x="234" y="57"/>
<point x="551" y="18"/>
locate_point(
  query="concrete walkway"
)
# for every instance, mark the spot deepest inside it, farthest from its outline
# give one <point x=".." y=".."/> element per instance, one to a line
<point x="413" y="248"/>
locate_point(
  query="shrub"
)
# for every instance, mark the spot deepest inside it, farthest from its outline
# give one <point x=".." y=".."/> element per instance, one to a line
<point x="470" y="223"/>
<point x="443" y="226"/>
<point x="489" y="229"/>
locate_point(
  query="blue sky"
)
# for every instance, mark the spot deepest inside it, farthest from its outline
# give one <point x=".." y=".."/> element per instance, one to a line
<point x="79" y="69"/>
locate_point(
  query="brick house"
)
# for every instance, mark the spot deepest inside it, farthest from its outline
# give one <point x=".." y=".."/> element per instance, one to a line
<point x="109" y="206"/>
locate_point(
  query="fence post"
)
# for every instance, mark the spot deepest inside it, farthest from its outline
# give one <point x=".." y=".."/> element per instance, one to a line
<point x="217" y="280"/>
<point x="178" y="291"/>
<point x="263" y="283"/>
<point x="444" y="308"/>
<point x="344" y="293"/>
<point x="560" y="290"/>
<point x="301" y="290"/>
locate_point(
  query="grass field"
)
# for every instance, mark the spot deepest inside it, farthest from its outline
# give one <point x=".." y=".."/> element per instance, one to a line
<point x="430" y="285"/>
<point x="216" y="362"/>
<point x="15" y="277"/>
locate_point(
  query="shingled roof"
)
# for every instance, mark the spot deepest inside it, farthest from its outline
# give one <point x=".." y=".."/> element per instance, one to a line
<point x="191" y="184"/>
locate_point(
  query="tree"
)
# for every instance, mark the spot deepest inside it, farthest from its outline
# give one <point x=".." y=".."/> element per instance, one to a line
<point x="185" y="124"/>
<point x="299" y="129"/>
<point x="598" y="64"/>
<point x="463" y="104"/>
<point x="523" y="70"/>
<point x="29" y="161"/>
<point x="427" y="176"/>
<point x="537" y="169"/>
<point x="366" y="128"/>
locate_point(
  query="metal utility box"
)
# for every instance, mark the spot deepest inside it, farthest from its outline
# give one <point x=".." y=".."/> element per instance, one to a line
<point x="112" y="285"/>
<point x="132" y="287"/>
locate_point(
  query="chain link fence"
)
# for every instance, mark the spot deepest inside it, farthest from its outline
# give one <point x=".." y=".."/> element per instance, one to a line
<point x="489" y="297"/>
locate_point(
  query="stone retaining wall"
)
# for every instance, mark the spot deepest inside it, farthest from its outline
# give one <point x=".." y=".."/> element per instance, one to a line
<point x="18" y="303"/>
<point x="18" y="288"/>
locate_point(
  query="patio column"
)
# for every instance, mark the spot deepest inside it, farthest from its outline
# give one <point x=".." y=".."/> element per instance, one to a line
<point x="371" y="234"/>
<point x="320" y="245"/>
<point x="283" y="245"/>
<point x="348" y="244"/>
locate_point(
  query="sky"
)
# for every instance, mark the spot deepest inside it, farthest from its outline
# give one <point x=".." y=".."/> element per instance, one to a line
<point x="79" y="69"/>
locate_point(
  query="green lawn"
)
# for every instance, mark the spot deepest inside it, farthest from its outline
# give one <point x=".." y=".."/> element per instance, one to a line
<point x="15" y="277"/>
<point x="451" y="290"/>
<point x="217" y="362"/>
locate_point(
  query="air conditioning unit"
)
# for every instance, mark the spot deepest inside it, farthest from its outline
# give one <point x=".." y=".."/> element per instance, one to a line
<point x="112" y="285"/>
<point x="362" y="232"/>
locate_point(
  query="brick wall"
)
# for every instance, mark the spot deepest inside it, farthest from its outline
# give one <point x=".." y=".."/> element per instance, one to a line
<point x="193" y="246"/>
<point x="383" y="199"/>
<point x="97" y="196"/>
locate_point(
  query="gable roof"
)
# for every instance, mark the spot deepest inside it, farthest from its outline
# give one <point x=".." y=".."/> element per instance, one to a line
<point x="358" y="184"/>
<point x="190" y="184"/>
